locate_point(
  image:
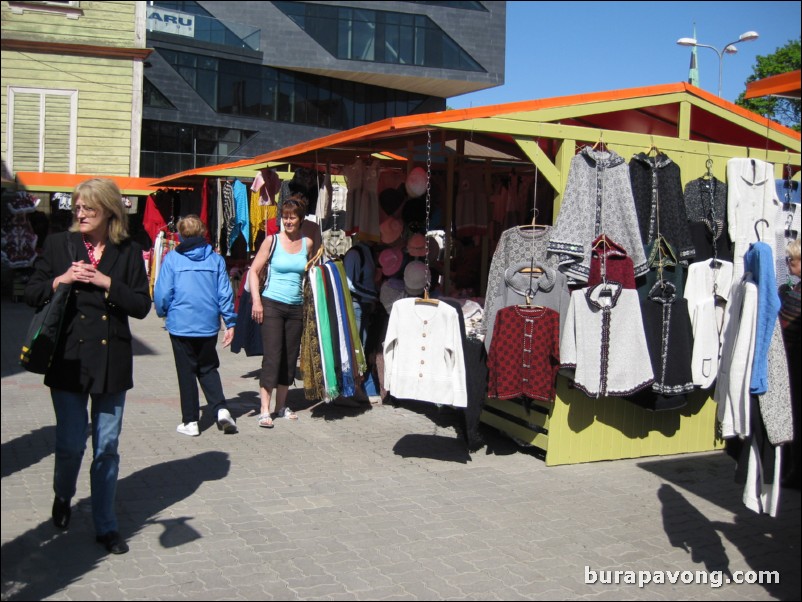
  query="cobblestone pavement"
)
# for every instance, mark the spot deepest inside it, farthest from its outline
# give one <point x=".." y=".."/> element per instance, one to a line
<point x="363" y="504"/>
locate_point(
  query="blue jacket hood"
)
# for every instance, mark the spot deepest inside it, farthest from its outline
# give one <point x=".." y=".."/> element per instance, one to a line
<point x="195" y="248"/>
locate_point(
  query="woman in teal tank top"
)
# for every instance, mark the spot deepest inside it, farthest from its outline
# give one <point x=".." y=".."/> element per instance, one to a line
<point x="279" y="309"/>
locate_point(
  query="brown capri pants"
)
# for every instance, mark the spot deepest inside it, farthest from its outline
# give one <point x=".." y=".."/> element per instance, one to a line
<point x="282" y="327"/>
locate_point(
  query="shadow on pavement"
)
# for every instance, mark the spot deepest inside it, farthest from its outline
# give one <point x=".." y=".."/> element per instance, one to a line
<point x="27" y="450"/>
<point x="435" y="447"/>
<point x="43" y="561"/>
<point x="690" y="530"/>
<point x="766" y="543"/>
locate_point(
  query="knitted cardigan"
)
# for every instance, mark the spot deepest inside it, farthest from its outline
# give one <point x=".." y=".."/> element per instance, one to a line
<point x="702" y="289"/>
<point x="673" y="271"/>
<point x="597" y="200"/>
<point x="760" y="263"/>
<point x="514" y="246"/>
<point x="668" y="335"/>
<point x="751" y="195"/>
<point x="659" y="203"/>
<point x="737" y="353"/>
<point x="603" y="347"/>
<point x="610" y="260"/>
<point x="706" y="207"/>
<point x="775" y="404"/>
<point x="550" y="290"/>
<point x="423" y="355"/>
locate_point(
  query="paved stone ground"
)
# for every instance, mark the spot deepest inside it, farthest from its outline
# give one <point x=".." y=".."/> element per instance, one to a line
<point x="361" y="504"/>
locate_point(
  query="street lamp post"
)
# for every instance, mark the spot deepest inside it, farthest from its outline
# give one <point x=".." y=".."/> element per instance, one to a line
<point x="728" y="49"/>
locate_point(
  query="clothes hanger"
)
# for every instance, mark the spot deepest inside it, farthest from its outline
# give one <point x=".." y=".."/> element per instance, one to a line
<point x="426" y="300"/>
<point x="765" y="221"/>
<point x="600" y="145"/>
<point x="652" y="151"/>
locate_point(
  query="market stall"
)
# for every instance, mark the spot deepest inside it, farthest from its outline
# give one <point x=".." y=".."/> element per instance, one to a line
<point x="530" y="147"/>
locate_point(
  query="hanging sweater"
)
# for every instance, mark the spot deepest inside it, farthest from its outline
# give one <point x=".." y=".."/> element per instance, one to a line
<point x="775" y="404"/>
<point x="550" y="289"/>
<point x="610" y="261"/>
<point x="706" y="207"/>
<point x="659" y="203"/>
<point x="737" y="353"/>
<point x="663" y="264"/>
<point x="603" y="347"/>
<point x="597" y="200"/>
<point x="423" y="357"/>
<point x="708" y="293"/>
<point x="525" y="354"/>
<point x="514" y="246"/>
<point x="668" y="335"/>
<point x="760" y="263"/>
<point x="751" y="196"/>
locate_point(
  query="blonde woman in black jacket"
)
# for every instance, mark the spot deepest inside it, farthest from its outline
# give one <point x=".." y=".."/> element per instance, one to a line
<point x="94" y="357"/>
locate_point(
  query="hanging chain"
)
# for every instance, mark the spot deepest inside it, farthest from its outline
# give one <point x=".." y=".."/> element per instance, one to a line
<point x="428" y="207"/>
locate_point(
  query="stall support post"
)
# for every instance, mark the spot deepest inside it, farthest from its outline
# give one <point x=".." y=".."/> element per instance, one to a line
<point x="563" y="161"/>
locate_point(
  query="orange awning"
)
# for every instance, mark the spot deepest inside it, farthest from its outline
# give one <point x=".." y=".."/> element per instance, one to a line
<point x="35" y="181"/>
<point x="784" y="85"/>
<point x="374" y="136"/>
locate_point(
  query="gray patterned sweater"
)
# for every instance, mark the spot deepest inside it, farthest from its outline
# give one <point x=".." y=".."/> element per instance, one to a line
<point x="514" y="246"/>
<point x="598" y="200"/>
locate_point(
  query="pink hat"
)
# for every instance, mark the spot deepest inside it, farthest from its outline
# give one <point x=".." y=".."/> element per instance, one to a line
<point x="391" y="230"/>
<point x="416" y="277"/>
<point x="390" y="261"/>
<point x="416" y="245"/>
<point x="416" y="182"/>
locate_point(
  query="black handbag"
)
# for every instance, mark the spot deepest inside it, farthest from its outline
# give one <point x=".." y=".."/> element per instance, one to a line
<point x="43" y="333"/>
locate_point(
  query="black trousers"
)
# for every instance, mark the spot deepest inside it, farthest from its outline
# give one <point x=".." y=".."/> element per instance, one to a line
<point x="196" y="358"/>
<point x="282" y="327"/>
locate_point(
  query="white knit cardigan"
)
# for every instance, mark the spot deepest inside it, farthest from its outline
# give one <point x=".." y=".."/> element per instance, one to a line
<point x="605" y="357"/>
<point x="423" y="358"/>
<point x="751" y="195"/>
<point x="707" y="318"/>
<point x="737" y="353"/>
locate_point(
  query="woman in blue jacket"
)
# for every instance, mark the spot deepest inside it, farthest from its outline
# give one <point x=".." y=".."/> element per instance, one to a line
<point x="193" y="291"/>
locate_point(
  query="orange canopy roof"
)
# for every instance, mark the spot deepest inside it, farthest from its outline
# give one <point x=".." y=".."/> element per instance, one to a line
<point x="397" y="127"/>
<point x="35" y="181"/>
<point x="785" y="85"/>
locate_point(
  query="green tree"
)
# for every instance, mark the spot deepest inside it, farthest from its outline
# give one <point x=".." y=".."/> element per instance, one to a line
<point x="783" y="110"/>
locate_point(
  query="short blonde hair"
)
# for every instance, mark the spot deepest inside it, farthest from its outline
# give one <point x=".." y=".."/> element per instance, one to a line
<point x="793" y="249"/>
<point x="190" y="226"/>
<point x="103" y="194"/>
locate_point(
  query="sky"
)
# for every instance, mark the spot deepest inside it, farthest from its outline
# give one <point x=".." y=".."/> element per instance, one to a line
<point x="565" y="48"/>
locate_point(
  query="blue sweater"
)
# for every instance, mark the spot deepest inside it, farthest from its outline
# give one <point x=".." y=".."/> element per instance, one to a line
<point x="759" y="260"/>
<point x="193" y="291"/>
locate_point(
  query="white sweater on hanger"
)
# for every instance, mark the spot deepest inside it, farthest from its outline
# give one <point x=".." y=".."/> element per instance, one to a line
<point x="737" y="353"/>
<point x="423" y="358"/>
<point x="751" y="195"/>
<point x="707" y="318"/>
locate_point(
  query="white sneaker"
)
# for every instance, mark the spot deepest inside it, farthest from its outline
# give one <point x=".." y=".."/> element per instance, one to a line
<point x="225" y="422"/>
<point x="190" y="428"/>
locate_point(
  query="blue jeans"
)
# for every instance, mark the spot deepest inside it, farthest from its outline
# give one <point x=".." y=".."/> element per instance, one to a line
<point x="369" y="384"/>
<point x="71" y="423"/>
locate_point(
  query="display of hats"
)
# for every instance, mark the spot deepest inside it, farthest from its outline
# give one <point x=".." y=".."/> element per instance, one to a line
<point x="416" y="278"/>
<point x="416" y="245"/>
<point x="416" y="182"/>
<point x="391" y="230"/>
